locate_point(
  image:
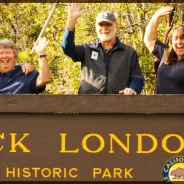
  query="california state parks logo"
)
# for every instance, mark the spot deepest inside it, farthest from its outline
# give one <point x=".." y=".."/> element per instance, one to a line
<point x="173" y="170"/>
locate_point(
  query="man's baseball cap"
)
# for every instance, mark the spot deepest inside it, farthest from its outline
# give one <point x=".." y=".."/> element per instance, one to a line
<point x="105" y="17"/>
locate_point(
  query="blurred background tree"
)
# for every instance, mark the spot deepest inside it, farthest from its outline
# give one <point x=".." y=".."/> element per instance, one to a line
<point x="22" y="23"/>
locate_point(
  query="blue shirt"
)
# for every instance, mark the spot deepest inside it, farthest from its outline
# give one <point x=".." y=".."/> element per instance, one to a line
<point x="16" y="82"/>
<point x="170" y="78"/>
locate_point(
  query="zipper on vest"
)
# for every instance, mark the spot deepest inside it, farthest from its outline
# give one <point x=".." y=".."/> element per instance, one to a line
<point x="106" y="57"/>
<point x="107" y="72"/>
<point x="107" y="61"/>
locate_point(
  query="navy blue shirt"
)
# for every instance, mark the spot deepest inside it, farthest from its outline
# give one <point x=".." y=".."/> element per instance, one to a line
<point x="16" y="82"/>
<point x="78" y="54"/>
<point x="170" y="77"/>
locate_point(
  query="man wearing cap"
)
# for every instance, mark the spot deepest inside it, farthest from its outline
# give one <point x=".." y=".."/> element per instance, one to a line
<point x="107" y="65"/>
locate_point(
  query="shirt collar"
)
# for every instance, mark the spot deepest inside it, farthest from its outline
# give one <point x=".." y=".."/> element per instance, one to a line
<point x="16" y="69"/>
<point x="117" y="45"/>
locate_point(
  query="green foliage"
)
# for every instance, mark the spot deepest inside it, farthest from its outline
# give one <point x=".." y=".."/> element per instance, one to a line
<point x="22" y="23"/>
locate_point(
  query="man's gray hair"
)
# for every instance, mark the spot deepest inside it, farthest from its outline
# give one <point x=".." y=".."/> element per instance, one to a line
<point x="9" y="44"/>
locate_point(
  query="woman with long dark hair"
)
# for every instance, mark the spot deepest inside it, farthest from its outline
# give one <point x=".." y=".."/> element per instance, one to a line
<point x="170" y="76"/>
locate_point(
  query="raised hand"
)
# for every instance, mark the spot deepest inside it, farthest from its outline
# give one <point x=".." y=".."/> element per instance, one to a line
<point x="74" y="10"/>
<point x="164" y="11"/>
<point x="74" y="13"/>
<point x="40" y="46"/>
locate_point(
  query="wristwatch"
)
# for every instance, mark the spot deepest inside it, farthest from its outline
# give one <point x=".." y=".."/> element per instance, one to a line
<point x="42" y="55"/>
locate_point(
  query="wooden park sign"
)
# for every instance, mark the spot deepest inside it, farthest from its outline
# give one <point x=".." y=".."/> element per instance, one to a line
<point x="91" y="138"/>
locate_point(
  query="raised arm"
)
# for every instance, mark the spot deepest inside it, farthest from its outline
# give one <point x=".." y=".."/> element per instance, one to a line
<point x="151" y="30"/>
<point x="68" y="42"/>
<point x="44" y="71"/>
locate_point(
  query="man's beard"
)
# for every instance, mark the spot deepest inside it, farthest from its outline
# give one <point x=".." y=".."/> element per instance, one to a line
<point x="108" y="37"/>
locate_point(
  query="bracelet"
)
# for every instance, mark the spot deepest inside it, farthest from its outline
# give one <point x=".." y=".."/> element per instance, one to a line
<point x="42" y="55"/>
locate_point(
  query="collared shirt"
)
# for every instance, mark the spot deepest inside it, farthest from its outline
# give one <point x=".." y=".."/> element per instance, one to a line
<point x="170" y="78"/>
<point x="16" y="82"/>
